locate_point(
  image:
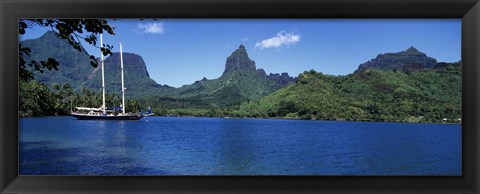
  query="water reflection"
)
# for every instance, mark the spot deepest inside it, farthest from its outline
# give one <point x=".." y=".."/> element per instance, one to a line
<point x="234" y="151"/>
<point x="205" y="146"/>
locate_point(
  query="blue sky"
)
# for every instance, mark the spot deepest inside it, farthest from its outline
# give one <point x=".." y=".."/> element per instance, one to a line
<point x="181" y="51"/>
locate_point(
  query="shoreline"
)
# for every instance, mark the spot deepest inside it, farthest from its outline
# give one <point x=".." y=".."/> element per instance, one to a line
<point x="268" y="118"/>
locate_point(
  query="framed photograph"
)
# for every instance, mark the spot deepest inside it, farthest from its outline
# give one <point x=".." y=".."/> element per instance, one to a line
<point x="239" y="96"/>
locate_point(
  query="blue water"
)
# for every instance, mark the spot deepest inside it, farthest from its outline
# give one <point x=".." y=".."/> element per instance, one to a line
<point x="217" y="146"/>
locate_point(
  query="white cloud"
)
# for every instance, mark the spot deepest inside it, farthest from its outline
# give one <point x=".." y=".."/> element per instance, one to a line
<point x="282" y="38"/>
<point x="150" y="28"/>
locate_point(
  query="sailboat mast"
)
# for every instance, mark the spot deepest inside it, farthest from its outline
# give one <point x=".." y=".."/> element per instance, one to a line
<point x="103" y="75"/>
<point x="123" y="87"/>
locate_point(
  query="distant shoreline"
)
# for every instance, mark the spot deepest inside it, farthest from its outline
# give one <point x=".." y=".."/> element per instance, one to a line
<point x="290" y="118"/>
<point x="270" y="118"/>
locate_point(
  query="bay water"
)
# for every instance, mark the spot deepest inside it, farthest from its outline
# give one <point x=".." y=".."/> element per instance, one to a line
<point x="62" y="145"/>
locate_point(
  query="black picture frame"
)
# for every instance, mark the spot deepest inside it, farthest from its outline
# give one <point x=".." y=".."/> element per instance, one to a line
<point x="12" y="10"/>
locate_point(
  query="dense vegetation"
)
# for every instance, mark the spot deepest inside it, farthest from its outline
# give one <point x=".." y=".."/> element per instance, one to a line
<point x="70" y="31"/>
<point x="240" y="82"/>
<point x="74" y="65"/>
<point x="38" y="99"/>
<point x="370" y="95"/>
<point x="76" y="71"/>
<point x="136" y="77"/>
<point x="213" y="97"/>
<point x="400" y="60"/>
<point x="230" y="89"/>
<point x="407" y="86"/>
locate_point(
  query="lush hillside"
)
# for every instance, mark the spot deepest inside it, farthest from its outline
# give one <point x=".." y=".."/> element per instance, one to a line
<point x="75" y="68"/>
<point x="404" y="86"/>
<point x="409" y="92"/>
<point x="370" y="95"/>
<point x="240" y="77"/>
<point x="38" y="99"/>
<point x="137" y="79"/>
<point x="240" y="82"/>
<point x="410" y="59"/>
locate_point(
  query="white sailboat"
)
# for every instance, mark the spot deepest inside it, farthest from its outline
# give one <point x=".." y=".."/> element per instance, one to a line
<point x="103" y="113"/>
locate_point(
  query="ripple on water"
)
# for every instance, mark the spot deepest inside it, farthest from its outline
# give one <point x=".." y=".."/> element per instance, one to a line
<point x="214" y="146"/>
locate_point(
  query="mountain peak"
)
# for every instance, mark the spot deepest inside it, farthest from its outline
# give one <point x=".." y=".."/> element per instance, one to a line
<point x="239" y="60"/>
<point x="51" y="37"/>
<point x="412" y="49"/>
<point x="49" y="33"/>
<point x="410" y="58"/>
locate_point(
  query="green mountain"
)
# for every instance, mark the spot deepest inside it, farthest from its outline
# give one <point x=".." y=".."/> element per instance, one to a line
<point x="240" y="82"/>
<point x="426" y="95"/>
<point x="408" y="60"/>
<point x="137" y="80"/>
<point x="407" y="86"/>
<point x="75" y="68"/>
<point x="239" y="60"/>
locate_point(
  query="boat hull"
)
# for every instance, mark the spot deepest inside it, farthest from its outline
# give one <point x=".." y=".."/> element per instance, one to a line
<point x="98" y="117"/>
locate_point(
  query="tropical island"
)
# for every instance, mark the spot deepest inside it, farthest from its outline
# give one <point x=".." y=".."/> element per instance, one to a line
<point x="406" y="86"/>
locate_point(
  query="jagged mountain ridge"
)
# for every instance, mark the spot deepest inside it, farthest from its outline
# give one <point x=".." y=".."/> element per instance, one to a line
<point x="433" y="88"/>
<point x="75" y="68"/>
<point x="281" y="78"/>
<point x="136" y="76"/>
<point x="409" y="59"/>
<point x="241" y="81"/>
<point x="239" y="60"/>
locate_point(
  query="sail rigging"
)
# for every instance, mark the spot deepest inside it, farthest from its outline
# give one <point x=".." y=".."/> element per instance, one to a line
<point x="104" y="113"/>
<point x="123" y="86"/>
<point x="103" y="74"/>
